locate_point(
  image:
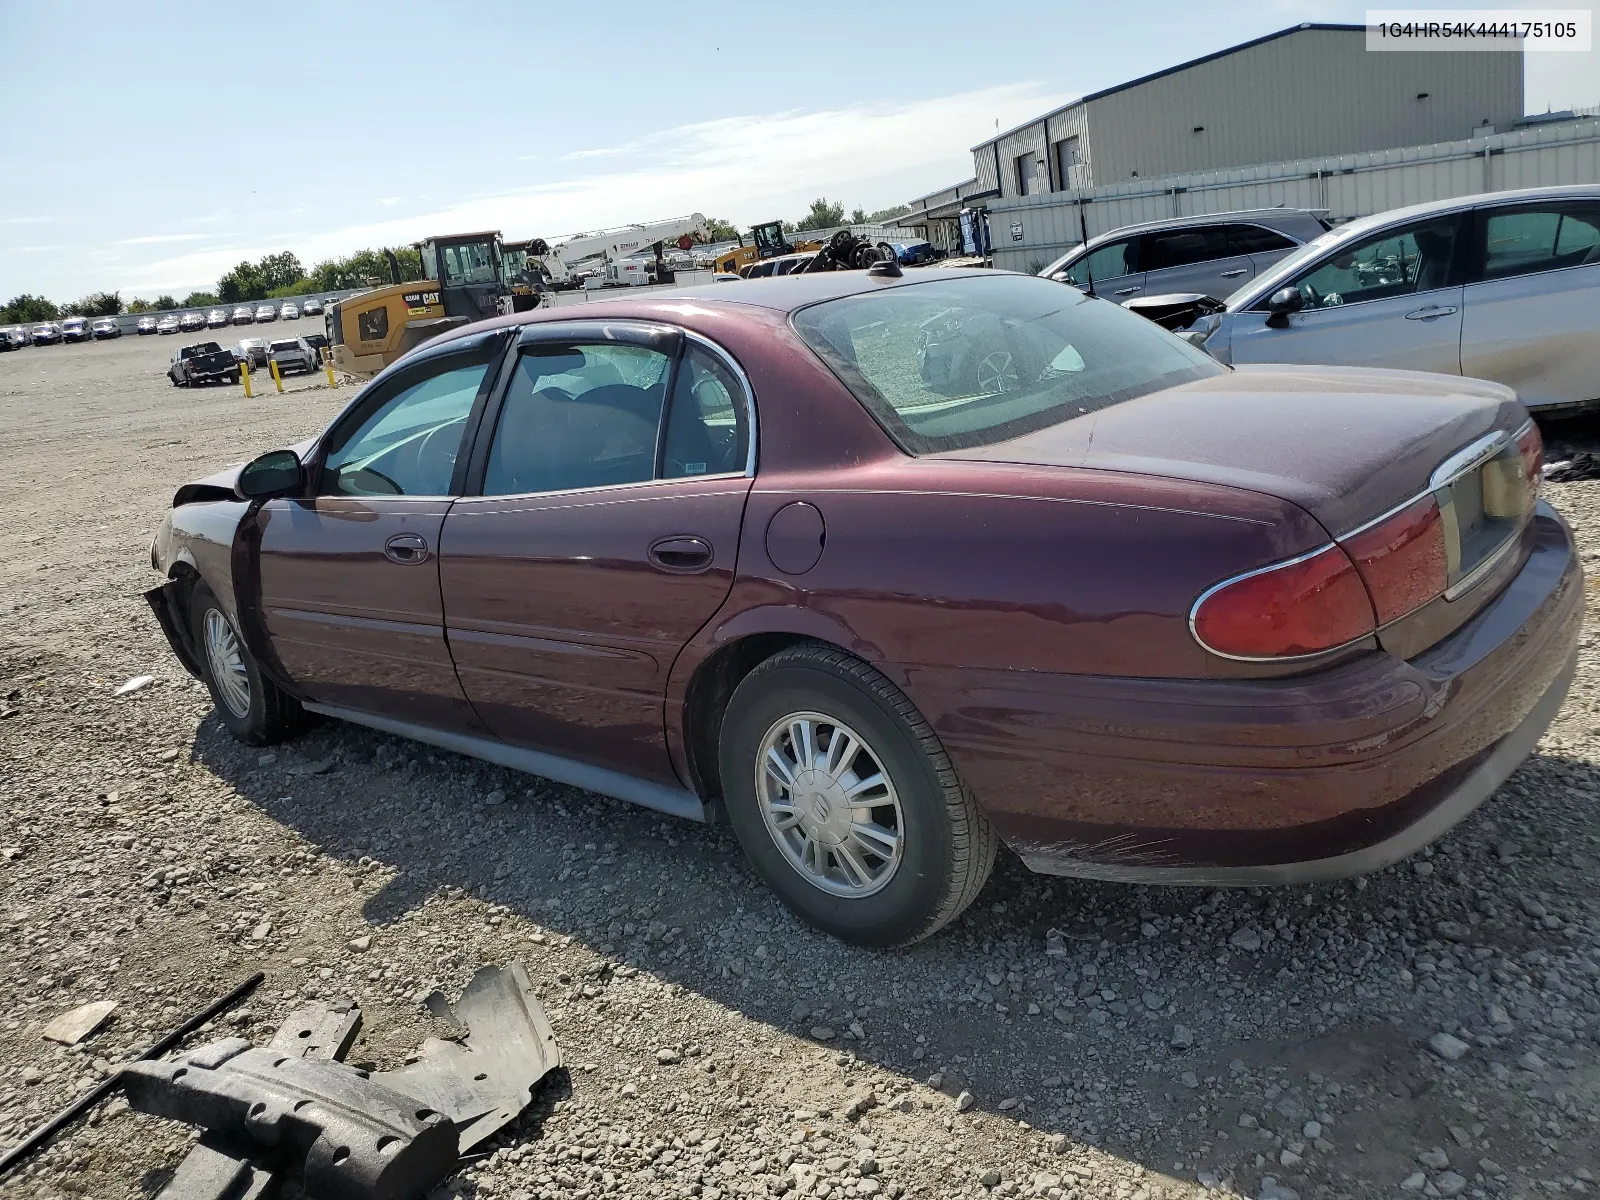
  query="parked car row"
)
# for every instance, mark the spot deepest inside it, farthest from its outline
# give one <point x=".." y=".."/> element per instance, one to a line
<point x="82" y="329"/>
<point x="1503" y="286"/>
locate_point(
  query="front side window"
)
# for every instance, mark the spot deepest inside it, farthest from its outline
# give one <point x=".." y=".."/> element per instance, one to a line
<point x="1399" y="262"/>
<point x="1544" y="239"/>
<point x="407" y="445"/>
<point x="1182" y="247"/>
<point x="1106" y="262"/>
<point x="578" y="416"/>
<point x="470" y="263"/>
<point x="959" y="363"/>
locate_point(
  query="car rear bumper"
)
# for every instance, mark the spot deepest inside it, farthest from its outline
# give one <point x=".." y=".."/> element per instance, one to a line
<point x="1323" y="776"/>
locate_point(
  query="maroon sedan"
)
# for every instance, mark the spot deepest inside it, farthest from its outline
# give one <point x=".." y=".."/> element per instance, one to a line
<point x="885" y="570"/>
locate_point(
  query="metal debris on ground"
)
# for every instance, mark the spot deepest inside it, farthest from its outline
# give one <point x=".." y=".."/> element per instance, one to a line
<point x="1579" y="468"/>
<point x="319" y="1030"/>
<point x="484" y="1079"/>
<point x="350" y="1137"/>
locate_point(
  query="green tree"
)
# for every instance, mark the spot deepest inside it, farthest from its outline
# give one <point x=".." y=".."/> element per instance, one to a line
<point x="244" y="282"/>
<point x="888" y="214"/>
<point x="722" y="231"/>
<point x="822" y="215"/>
<point x="95" y="304"/>
<point x="25" y="309"/>
<point x="200" y="300"/>
<point x="280" y="270"/>
<point x="137" y="305"/>
<point x="163" y="303"/>
<point x="858" y="215"/>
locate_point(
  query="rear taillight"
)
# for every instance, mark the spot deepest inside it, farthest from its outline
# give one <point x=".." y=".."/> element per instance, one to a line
<point x="1304" y="606"/>
<point x="1402" y="558"/>
<point x="1530" y="448"/>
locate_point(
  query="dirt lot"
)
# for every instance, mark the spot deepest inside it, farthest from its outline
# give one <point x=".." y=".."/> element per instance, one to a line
<point x="1161" y="1043"/>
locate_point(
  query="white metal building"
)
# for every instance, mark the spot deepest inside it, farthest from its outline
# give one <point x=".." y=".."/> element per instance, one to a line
<point x="1304" y="92"/>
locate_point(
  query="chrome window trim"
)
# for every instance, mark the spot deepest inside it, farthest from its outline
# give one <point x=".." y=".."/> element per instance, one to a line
<point x="599" y="488"/>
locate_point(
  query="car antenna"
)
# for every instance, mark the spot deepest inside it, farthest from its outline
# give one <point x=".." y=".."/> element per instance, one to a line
<point x="1083" y="232"/>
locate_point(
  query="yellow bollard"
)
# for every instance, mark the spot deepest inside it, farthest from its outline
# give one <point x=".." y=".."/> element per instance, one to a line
<point x="328" y="363"/>
<point x="276" y="378"/>
<point x="244" y="376"/>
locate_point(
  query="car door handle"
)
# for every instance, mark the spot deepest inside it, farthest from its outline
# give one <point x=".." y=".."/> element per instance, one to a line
<point x="681" y="555"/>
<point x="1429" y="312"/>
<point x="1125" y="291"/>
<point x="406" y="549"/>
<point x="1236" y="274"/>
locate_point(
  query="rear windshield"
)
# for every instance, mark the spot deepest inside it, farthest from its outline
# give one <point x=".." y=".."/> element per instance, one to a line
<point x="285" y="346"/>
<point x="950" y="364"/>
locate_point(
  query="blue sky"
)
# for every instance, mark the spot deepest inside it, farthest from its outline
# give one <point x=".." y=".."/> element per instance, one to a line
<point x="151" y="146"/>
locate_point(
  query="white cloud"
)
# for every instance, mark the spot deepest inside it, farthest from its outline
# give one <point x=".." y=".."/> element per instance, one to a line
<point x="25" y="220"/>
<point x="745" y="169"/>
<point x="154" y="239"/>
<point x="388" y="201"/>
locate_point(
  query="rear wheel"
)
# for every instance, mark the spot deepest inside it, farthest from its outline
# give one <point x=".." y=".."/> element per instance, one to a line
<point x="254" y="709"/>
<point x="845" y="801"/>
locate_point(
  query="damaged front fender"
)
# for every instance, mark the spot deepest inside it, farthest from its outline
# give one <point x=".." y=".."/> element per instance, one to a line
<point x="170" y="603"/>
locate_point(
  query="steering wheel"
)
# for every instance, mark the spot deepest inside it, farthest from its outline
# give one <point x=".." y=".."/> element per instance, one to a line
<point x="436" y="455"/>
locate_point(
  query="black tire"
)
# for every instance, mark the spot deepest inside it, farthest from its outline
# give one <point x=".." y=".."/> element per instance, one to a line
<point x="271" y="715"/>
<point x="948" y="845"/>
<point x="233" y="377"/>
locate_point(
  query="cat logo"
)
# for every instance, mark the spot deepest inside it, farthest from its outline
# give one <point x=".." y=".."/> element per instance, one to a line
<point x="418" y="303"/>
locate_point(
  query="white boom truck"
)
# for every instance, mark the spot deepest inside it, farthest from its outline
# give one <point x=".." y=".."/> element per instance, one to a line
<point x="614" y="245"/>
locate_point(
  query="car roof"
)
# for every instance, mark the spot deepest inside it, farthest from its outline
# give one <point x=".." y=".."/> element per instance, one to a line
<point x="1581" y="191"/>
<point x="1261" y="216"/>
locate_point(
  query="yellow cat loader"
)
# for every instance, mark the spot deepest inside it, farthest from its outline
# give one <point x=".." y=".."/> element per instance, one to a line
<point x="766" y="241"/>
<point x="465" y="282"/>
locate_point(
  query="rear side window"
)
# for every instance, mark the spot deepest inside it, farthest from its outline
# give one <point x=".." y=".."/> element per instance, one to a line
<point x="1106" y="262"/>
<point x="707" y="425"/>
<point x="958" y="363"/>
<point x="1256" y="239"/>
<point x="1182" y="247"/>
<point x="578" y="416"/>
<point x="1542" y="239"/>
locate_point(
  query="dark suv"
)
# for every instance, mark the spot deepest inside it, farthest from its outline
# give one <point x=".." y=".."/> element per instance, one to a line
<point x="1210" y="255"/>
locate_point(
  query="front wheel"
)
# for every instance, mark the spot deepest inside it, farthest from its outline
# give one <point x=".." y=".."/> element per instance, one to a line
<point x="845" y="801"/>
<point x="254" y="709"/>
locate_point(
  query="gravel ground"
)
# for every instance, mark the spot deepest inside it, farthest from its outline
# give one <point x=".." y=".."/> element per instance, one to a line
<point x="1432" y="1028"/>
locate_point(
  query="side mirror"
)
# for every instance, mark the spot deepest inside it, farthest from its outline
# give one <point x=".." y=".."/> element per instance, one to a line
<point x="1281" y="303"/>
<point x="277" y="473"/>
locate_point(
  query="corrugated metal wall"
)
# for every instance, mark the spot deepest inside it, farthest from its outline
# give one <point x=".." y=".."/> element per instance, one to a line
<point x="1035" y="229"/>
<point x="1315" y="92"/>
<point x="1310" y="92"/>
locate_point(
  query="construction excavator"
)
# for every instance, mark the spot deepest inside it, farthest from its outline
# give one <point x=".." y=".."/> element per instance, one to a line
<point x="465" y="281"/>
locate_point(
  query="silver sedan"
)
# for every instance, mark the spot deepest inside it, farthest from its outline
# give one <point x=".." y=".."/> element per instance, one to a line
<point x="1502" y="286"/>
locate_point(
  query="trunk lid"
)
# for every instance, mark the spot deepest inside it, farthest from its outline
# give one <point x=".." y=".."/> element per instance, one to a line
<point x="1346" y="444"/>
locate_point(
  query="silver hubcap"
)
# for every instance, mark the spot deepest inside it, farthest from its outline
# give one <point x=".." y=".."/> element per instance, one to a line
<point x="227" y="666"/>
<point x="829" y="805"/>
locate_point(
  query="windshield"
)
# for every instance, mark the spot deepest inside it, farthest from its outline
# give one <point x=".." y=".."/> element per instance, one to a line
<point x="957" y="363"/>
